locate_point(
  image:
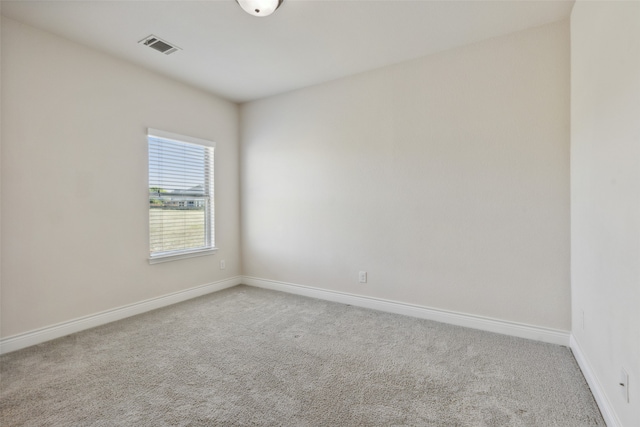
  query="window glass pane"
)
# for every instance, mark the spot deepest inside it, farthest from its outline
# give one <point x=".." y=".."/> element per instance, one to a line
<point x="180" y="196"/>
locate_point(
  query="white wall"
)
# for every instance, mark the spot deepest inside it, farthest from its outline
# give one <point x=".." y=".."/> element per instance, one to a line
<point x="445" y="178"/>
<point x="74" y="180"/>
<point x="0" y="171"/>
<point x="605" y="195"/>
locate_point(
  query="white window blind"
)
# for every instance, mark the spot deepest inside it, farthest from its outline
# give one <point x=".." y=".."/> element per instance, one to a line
<point x="181" y="219"/>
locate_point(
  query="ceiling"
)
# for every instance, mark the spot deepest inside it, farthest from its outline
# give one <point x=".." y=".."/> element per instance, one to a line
<point x="305" y="42"/>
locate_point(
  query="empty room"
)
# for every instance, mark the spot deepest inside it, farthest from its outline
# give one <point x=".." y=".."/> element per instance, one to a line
<point x="320" y="213"/>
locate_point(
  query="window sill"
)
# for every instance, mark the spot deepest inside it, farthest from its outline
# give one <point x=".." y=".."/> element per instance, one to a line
<point x="176" y="256"/>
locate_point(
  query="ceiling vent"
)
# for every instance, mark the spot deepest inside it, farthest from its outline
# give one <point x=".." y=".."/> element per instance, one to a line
<point x="160" y="45"/>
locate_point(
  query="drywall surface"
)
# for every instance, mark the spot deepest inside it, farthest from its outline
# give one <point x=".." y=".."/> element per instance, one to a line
<point x="0" y="164"/>
<point x="445" y="178"/>
<point x="74" y="180"/>
<point x="605" y="195"/>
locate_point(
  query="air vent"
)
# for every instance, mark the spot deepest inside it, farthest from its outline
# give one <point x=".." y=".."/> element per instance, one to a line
<point x="160" y="45"/>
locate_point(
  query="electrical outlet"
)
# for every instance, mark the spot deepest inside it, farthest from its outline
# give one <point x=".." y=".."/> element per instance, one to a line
<point x="624" y="385"/>
<point x="223" y="264"/>
<point x="362" y="277"/>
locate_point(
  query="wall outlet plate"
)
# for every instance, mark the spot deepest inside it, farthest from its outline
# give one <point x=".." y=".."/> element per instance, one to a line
<point x="624" y="385"/>
<point x="362" y="277"/>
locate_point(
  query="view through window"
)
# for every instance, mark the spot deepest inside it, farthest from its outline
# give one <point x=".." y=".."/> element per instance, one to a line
<point x="180" y="194"/>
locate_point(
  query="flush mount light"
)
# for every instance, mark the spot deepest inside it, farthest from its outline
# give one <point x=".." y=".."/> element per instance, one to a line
<point x="259" y="7"/>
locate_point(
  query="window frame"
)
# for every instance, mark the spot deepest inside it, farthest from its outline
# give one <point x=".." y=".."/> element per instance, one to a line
<point x="210" y="247"/>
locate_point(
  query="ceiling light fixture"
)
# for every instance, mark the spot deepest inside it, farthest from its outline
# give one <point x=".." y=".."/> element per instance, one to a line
<point x="259" y="7"/>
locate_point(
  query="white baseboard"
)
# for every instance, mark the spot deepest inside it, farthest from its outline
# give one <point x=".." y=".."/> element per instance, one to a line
<point x="16" y="342"/>
<point x="605" y="406"/>
<point x="553" y="336"/>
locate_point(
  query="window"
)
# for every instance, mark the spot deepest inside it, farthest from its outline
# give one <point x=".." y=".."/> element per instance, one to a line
<point x="180" y="196"/>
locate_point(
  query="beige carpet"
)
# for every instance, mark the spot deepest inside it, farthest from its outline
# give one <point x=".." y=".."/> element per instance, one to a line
<point x="252" y="357"/>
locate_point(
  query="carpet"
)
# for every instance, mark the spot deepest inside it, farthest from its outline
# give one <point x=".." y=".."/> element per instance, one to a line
<point x="253" y="357"/>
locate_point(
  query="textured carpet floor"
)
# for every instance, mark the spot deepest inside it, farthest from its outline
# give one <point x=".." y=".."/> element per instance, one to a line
<point x="252" y="357"/>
